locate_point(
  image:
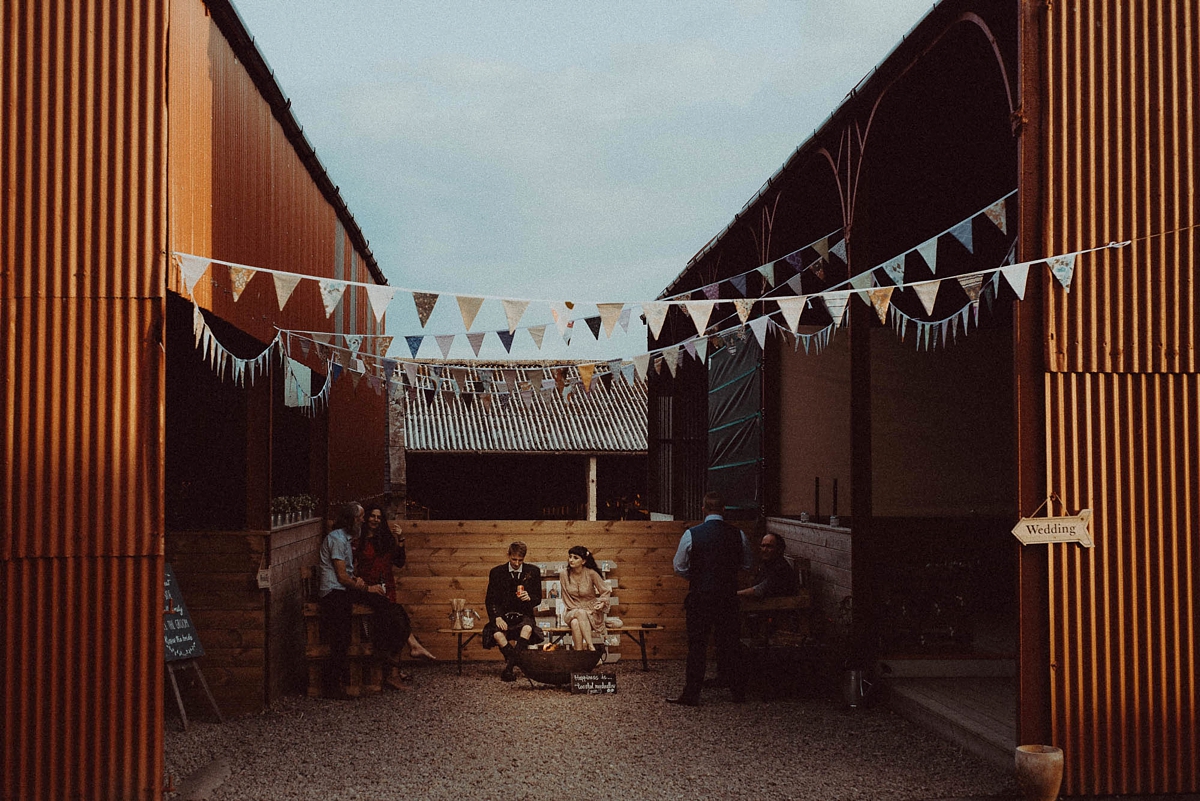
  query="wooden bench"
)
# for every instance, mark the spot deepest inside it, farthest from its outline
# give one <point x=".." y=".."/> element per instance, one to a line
<point x="366" y="670"/>
<point x="557" y="634"/>
<point x="788" y="613"/>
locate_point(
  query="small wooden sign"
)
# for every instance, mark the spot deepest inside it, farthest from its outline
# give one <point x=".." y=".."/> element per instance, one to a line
<point x="1040" y="530"/>
<point x="594" y="683"/>
<point x="179" y="635"/>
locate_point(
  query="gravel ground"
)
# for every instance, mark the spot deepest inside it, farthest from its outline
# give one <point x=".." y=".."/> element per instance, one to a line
<point x="453" y="737"/>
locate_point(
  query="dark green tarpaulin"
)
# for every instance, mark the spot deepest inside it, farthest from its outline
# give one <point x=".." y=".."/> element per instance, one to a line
<point x="735" y="424"/>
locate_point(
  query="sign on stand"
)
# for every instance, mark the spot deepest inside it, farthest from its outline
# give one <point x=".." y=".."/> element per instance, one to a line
<point x="1041" y="530"/>
<point x="594" y="683"/>
<point x="179" y="635"/>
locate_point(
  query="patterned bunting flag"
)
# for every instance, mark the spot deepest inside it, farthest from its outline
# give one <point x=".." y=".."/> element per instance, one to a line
<point x="469" y="307"/>
<point x="738" y="282"/>
<point x="445" y="341"/>
<point x="1063" y="268"/>
<point x="964" y="232"/>
<point x="971" y="284"/>
<point x="383" y="345"/>
<point x="414" y="344"/>
<point x="1016" y="275"/>
<point x="712" y="291"/>
<point x="759" y="326"/>
<point x="670" y="357"/>
<point x="379" y="296"/>
<point x="238" y="278"/>
<point x="331" y="294"/>
<point x="998" y="214"/>
<point x="513" y="311"/>
<point x="656" y="315"/>
<point x="506" y="339"/>
<point x="791" y="309"/>
<point x="743" y="306"/>
<point x="839" y="250"/>
<point x="895" y="270"/>
<point x="353" y="341"/>
<point x="699" y="311"/>
<point x="424" y="301"/>
<point x="537" y="333"/>
<point x="881" y="298"/>
<point x="835" y="303"/>
<point x="928" y="251"/>
<point x="476" y="340"/>
<point x="285" y="283"/>
<point x="593" y="324"/>
<point x="609" y="314"/>
<point x="927" y="293"/>
<point x="191" y="270"/>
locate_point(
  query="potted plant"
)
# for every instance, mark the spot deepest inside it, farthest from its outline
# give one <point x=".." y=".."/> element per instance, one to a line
<point x="280" y="507"/>
<point x="307" y="505"/>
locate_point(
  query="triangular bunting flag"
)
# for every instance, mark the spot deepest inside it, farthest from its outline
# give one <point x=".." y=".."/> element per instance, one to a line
<point x="331" y="293"/>
<point x="700" y="311"/>
<point x="506" y="339"/>
<point x="380" y="297"/>
<point x="1016" y="276"/>
<point x="796" y="284"/>
<point x="445" y="341"/>
<point x="759" y="326"/>
<point x="424" y="301"/>
<point x="656" y="315"/>
<point x="593" y="324"/>
<point x="712" y="291"/>
<point x="192" y="269"/>
<point x="822" y="247"/>
<point x="928" y="251"/>
<point x="836" y="303"/>
<point x="537" y="333"/>
<point x="863" y="281"/>
<point x="476" y="340"/>
<point x="670" y="358"/>
<point x="701" y="349"/>
<point x="1063" y="268"/>
<point x="354" y="342"/>
<point x="895" y="270"/>
<point x="927" y="293"/>
<point x="624" y="319"/>
<point x="513" y="311"/>
<point x="881" y="298"/>
<point x="414" y="344"/>
<point x="383" y="345"/>
<point x="609" y="314"/>
<point x="743" y="306"/>
<point x="469" y="307"/>
<point x="641" y="363"/>
<point x="410" y="370"/>
<point x="791" y="309"/>
<point x="562" y="317"/>
<point x="285" y="283"/>
<point x="690" y="347"/>
<point x="586" y="373"/>
<point x="971" y="284"/>
<point x="839" y="250"/>
<point x="238" y="278"/>
<point x="739" y="283"/>
<point x="964" y="232"/>
<point x="767" y="271"/>
<point x="998" y="214"/>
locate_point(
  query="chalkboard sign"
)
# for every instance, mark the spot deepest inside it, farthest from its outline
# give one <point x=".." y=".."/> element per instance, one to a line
<point x="594" y="683"/>
<point x="179" y="635"/>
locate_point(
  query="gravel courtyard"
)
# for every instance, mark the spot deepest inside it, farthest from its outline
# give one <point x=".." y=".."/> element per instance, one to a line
<point x="468" y="737"/>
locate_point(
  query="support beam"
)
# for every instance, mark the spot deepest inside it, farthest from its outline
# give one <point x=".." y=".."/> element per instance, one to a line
<point x="591" y="488"/>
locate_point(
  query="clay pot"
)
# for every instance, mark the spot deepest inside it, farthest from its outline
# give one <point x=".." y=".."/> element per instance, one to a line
<point x="1039" y="771"/>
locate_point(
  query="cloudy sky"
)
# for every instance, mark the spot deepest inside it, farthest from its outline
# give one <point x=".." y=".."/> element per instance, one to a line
<point x="559" y="149"/>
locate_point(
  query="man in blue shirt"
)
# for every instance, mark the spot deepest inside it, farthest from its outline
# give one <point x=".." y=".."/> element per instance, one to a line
<point x="709" y="557"/>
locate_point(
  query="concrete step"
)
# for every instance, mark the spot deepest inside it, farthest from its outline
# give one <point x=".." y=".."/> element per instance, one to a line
<point x="961" y="667"/>
<point x="977" y="713"/>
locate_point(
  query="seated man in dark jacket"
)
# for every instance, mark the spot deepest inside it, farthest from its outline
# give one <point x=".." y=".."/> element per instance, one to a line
<point x="775" y="576"/>
<point x="513" y="593"/>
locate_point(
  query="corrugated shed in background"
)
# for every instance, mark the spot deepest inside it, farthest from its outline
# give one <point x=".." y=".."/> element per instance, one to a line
<point x="1119" y="100"/>
<point x="82" y="235"/>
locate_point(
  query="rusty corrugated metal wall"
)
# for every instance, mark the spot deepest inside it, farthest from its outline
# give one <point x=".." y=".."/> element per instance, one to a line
<point x="82" y="284"/>
<point x="1118" y="141"/>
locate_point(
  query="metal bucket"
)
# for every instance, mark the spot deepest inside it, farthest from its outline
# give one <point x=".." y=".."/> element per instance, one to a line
<point x="856" y="689"/>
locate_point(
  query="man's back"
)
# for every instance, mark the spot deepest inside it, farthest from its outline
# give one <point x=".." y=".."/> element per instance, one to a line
<point x="716" y="556"/>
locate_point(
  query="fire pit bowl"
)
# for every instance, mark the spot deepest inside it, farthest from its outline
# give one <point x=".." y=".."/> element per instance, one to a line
<point x="556" y="667"/>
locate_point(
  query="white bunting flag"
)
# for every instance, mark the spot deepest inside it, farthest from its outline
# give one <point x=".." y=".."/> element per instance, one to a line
<point x="1017" y="275"/>
<point x="191" y="269"/>
<point x="671" y="358"/>
<point x="331" y="294"/>
<point x="836" y="303"/>
<point x="1063" y="268"/>
<point x="641" y="363"/>
<point x="700" y="311"/>
<point x="469" y="307"/>
<point x="701" y="349"/>
<point x="927" y="293"/>
<point x="238" y="278"/>
<point x="998" y="214"/>
<point x="863" y="281"/>
<point x="964" y="233"/>
<point x="928" y="251"/>
<point x="656" y="315"/>
<point x="380" y="297"/>
<point x="881" y="298"/>
<point x="513" y="311"/>
<point x="610" y="313"/>
<point x="743" y="306"/>
<point x="767" y="271"/>
<point x="285" y="283"/>
<point x="791" y="309"/>
<point x="759" y="326"/>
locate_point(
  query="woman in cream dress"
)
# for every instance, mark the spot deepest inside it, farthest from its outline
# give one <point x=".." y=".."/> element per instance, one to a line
<point x="585" y="595"/>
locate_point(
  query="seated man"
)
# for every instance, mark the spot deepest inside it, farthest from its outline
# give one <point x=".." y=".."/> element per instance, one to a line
<point x="513" y="593"/>
<point x="775" y="576"/>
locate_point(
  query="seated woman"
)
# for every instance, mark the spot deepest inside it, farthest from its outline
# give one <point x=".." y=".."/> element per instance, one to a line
<point x="585" y="595"/>
<point x="376" y="552"/>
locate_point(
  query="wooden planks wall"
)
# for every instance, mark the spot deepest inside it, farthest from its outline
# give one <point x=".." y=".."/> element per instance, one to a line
<point x="451" y="559"/>
<point x="828" y="552"/>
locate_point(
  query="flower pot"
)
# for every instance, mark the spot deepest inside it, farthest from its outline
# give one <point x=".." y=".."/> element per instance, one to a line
<point x="1039" y="771"/>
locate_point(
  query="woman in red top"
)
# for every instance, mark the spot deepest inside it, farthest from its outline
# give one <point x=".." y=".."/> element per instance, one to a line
<point x="377" y="552"/>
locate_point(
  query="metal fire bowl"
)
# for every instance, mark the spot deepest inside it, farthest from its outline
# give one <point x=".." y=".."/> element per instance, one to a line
<point x="556" y="667"/>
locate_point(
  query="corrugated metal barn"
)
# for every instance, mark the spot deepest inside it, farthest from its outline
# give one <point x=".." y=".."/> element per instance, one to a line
<point x="1087" y="110"/>
<point x="133" y="130"/>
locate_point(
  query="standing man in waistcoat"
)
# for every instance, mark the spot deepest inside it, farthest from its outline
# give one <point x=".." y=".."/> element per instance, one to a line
<point x="709" y="557"/>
